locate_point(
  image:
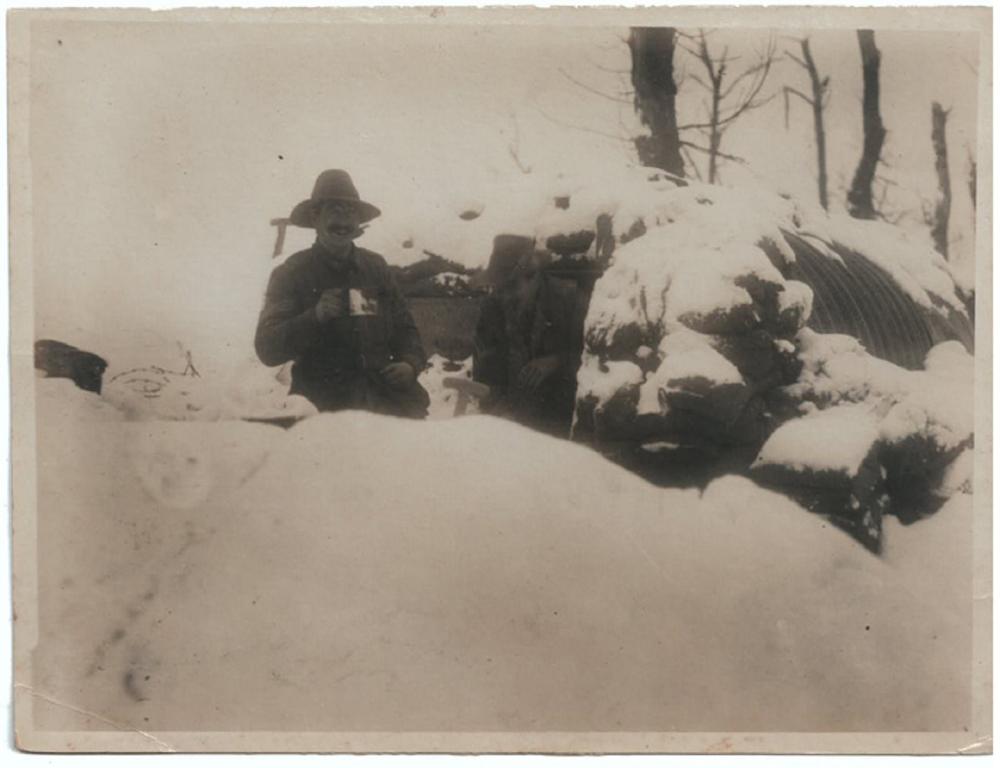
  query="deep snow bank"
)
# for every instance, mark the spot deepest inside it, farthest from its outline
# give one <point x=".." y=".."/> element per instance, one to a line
<point x="468" y="574"/>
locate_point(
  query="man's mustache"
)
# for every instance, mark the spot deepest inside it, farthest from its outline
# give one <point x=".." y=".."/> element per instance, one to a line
<point x="353" y="234"/>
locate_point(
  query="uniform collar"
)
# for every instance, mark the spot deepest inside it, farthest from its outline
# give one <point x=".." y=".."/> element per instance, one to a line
<point x="324" y="255"/>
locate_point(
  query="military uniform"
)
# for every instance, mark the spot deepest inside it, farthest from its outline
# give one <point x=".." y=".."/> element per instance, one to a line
<point x="337" y="363"/>
<point x="514" y="329"/>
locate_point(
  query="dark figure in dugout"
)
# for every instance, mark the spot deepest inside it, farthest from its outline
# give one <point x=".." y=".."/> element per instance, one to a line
<point x="529" y="339"/>
<point x="335" y="310"/>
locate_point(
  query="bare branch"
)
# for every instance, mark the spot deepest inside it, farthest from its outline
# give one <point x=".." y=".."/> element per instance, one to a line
<point x="589" y="89"/>
<point x="583" y="128"/>
<point x="701" y="82"/>
<point x="707" y="151"/>
<point x="514" y="148"/>
<point x="797" y="60"/>
<point x="691" y="162"/>
<point x="796" y="92"/>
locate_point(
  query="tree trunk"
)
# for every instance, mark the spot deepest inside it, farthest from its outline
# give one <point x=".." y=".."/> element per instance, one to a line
<point x="652" y="51"/>
<point x="818" y="91"/>
<point x="972" y="185"/>
<point x="859" y="197"/>
<point x="942" y="206"/>
<point x="715" y="134"/>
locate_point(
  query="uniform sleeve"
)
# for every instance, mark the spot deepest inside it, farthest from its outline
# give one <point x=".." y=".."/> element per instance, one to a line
<point x="405" y="342"/>
<point x="489" y="364"/>
<point x="285" y="329"/>
<point x="570" y="311"/>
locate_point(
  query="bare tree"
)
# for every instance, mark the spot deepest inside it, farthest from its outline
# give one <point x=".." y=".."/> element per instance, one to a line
<point x="972" y="183"/>
<point x="942" y="204"/>
<point x="818" y="101"/>
<point x="652" y="50"/>
<point x="729" y="95"/>
<point x="514" y="147"/>
<point x="859" y="197"/>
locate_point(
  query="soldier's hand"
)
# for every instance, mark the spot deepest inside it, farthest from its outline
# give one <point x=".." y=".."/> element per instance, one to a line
<point x="537" y="371"/>
<point x="332" y="303"/>
<point x="399" y="375"/>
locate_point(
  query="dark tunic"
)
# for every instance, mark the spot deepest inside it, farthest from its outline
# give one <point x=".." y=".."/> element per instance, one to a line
<point x="337" y="363"/>
<point x="514" y="330"/>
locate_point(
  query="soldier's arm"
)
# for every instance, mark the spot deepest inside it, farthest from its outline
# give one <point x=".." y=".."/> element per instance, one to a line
<point x="405" y="343"/>
<point x="285" y="329"/>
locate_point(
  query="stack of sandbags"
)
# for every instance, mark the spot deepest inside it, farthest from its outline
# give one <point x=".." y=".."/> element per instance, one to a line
<point x="697" y="322"/>
<point x="865" y="437"/>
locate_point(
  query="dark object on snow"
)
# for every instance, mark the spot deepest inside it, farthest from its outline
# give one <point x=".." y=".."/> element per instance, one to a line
<point x="860" y="299"/>
<point x="63" y="361"/>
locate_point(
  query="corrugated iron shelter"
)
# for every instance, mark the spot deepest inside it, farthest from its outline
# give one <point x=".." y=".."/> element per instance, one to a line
<point x="854" y="296"/>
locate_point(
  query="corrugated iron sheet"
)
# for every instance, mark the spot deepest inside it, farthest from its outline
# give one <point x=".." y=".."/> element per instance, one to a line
<point x="858" y="298"/>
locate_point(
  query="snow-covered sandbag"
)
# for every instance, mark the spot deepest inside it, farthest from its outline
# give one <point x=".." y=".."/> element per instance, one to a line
<point x="927" y="430"/>
<point x="829" y="461"/>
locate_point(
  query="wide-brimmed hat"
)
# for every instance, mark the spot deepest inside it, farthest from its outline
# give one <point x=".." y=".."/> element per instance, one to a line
<point x="331" y="185"/>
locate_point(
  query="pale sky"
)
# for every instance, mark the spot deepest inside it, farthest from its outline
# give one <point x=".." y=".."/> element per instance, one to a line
<point x="160" y="151"/>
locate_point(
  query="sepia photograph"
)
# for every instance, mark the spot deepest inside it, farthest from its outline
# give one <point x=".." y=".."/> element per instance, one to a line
<point x="498" y="381"/>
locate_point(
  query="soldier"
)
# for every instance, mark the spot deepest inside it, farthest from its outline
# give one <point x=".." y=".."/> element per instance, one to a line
<point x="335" y="310"/>
<point x="529" y="338"/>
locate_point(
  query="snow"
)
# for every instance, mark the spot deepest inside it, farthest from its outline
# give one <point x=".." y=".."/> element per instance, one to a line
<point x="686" y="357"/>
<point x="959" y="476"/>
<point x="601" y="381"/>
<point x="451" y="279"/>
<point x="369" y="572"/>
<point x="248" y="391"/>
<point x="256" y="392"/>
<point x="444" y="399"/>
<point x="61" y="400"/>
<point x="909" y="258"/>
<point x="797" y="297"/>
<point x="837" y="368"/>
<point x="837" y="439"/>
<point x="928" y="403"/>
<point x="155" y="393"/>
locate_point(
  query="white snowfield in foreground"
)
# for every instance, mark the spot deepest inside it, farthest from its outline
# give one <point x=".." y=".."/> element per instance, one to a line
<point x="360" y="572"/>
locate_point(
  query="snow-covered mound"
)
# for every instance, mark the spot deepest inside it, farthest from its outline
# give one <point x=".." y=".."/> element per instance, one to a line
<point x="248" y="390"/>
<point x="156" y="393"/>
<point x="61" y="400"/>
<point x="381" y="574"/>
<point x="256" y="392"/>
